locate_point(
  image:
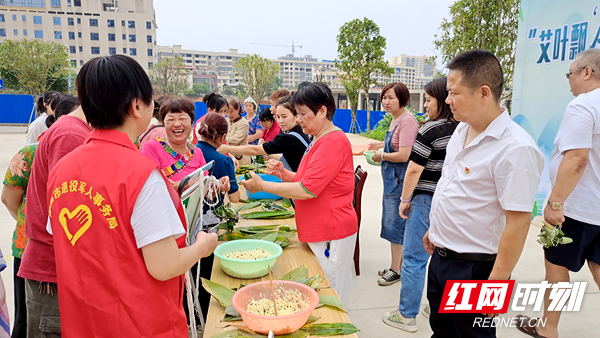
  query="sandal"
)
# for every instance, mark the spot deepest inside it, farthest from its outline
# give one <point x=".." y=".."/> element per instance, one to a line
<point x="524" y="325"/>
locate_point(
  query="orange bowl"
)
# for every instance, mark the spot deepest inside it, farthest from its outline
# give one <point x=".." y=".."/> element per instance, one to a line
<point x="278" y="324"/>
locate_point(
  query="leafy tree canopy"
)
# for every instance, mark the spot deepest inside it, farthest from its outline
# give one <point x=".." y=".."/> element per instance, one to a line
<point x="169" y="76"/>
<point x="257" y="73"/>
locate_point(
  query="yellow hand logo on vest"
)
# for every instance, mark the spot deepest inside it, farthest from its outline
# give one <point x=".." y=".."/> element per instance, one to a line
<point x="82" y="214"/>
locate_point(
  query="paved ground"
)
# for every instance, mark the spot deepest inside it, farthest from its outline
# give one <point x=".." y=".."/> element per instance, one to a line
<point x="367" y="300"/>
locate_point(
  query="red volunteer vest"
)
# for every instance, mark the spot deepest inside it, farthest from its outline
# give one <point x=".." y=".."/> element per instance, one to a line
<point x="104" y="287"/>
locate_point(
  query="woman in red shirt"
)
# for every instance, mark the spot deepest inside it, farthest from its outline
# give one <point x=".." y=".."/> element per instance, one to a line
<point x="323" y="186"/>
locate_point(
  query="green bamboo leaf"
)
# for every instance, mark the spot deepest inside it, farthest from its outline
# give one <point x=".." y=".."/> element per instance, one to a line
<point x="268" y="214"/>
<point x="221" y="293"/>
<point x="257" y="229"/>
<point x="331" y="301"/>
<point x="250" y="205"/>
<point x="297" y="273"/>
<point x="566" y="240"/>
<point x="231" y="311"/>
<point x="287" y="228"/>
<point x="312" y="319"/>
<point x="237" y="334"/>
<point x="329" y="329"/>
<point x="286" y="203"/>
<point x="286" y="234"/>
<point x="231" y="318"/>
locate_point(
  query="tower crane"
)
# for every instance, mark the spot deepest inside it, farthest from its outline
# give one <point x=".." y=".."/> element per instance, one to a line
<point x="270" y="44"/>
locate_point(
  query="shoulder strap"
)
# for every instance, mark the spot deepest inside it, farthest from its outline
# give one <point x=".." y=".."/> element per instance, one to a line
<point x="398" y="123"/>
<point x="148" y="132"/>
<point x="299" y="137"/>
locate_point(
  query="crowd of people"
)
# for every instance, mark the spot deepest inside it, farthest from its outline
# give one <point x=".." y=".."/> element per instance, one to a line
<point x="97" y="185"/>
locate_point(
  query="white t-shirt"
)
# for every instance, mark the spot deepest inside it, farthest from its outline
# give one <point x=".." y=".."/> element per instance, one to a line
<point x="499" y="170"/>
<point x="154" y="216"/>
<point x="580" y="129"/>
<point x="36" y="128"/>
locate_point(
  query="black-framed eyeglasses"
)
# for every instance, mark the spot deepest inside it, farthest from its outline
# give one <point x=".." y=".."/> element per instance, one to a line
<point x="575" y="71"/>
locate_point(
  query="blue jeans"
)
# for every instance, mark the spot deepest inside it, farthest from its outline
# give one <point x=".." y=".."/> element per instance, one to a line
<point x="415" y="256"/>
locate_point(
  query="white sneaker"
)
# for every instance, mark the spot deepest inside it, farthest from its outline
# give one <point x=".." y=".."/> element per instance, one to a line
<point x="426" y="311"/>
<point x="395" y="319"/>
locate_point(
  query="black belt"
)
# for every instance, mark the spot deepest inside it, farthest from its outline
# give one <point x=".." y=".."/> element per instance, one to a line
<point x="471" y="257"/>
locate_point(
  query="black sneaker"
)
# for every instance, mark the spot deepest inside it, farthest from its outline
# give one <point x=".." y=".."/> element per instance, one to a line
<point x="389" y="278"/>
<point x="382" y="272"/>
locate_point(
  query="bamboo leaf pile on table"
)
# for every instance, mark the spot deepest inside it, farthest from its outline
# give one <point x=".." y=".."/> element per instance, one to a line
<point x="268" y="215"/>
<point x="269" y="233"/>
<point x="322" y="329"/>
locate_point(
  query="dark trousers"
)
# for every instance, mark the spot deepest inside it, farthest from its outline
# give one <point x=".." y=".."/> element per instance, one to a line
<point x="20" y="323"/>
<point x="454" y="325"/>
<point x="43" y="315"/>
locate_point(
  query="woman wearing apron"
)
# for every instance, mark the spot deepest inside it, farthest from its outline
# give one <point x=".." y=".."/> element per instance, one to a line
<point x="397" y="146"/>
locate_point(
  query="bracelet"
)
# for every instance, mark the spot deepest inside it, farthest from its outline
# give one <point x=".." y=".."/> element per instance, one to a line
<point x="405" y="201"/>
<point x="382" y="153"/>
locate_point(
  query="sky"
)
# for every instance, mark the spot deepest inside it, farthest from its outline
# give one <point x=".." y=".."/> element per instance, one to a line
<point x="408" y="26"/>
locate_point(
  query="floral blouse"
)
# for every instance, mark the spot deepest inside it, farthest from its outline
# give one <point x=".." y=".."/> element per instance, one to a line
<point x="254" y="126"/>
<point x="15" y="181"/>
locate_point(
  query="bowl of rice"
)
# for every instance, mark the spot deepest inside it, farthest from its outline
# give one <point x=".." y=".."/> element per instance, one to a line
<point x="247" y="258"/>
<point x="294" y="301"/>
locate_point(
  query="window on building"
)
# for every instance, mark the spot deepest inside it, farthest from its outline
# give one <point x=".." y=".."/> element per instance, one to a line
<point x="132" y="51"/>
<point x="38" y="34"/>
<point x="149" y="52"/>
<point x="112" y="51"/>
<point x="37" y="19"/>
<point x="131" y="24"/>
<point x="124" y="50"/>
<point x="150" y="64"/>
<point x="2" y="32"/>
<point x="81" y="48"/>
<point x="148" y="25"/>
<point x="71" y="35"/>
<point x="149" y="38"/>
<point x="111" y="37"/>
<point x="56" y="20"/>
<point x="131" y="37"/>
<point x="73" y="63"/>
<point x="123" y="23"/>
<point x="14" y="17"/>
<point x="110" y="23"/>
<point x="124" y="36"/>
<point x="15" y="31"/>
<point x="55" y="3"/>
<point x="24" y="32"/>
<point x="78" y="20"/>
<point x="72" y="49"/>
<point x="93" y="22"/>
<point x="57" y="35"/>
<point x="70" y="22"/>
<point x="24" y="17"/>
<point x="80" y="61"/>
<point x="79" y="35"/>
<point x="95" y="50"/>
<point x="77" y="3"/>
<point x="94" y="36"/>
<point x="68" y="2"/>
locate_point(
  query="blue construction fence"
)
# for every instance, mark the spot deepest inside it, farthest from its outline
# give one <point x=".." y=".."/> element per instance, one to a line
<point x="16" y="109"/>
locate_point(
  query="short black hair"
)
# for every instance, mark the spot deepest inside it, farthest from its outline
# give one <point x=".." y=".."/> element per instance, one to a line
<point x="479" y="67"/>
<point x="47" y="99"/>
<point x="266" y="115"/>
<point x="438" y="90"/>
<point x="315" y="95"/>
<point x="400" y="90"/>
<point x="214" y="101"/>
<point x="177" y="105"/>
<point x="107" y="85"/>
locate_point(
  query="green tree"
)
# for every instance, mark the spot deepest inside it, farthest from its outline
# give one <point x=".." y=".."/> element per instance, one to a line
<point x="33" y="66"/>
<point x="198" y="90"/>
<point x="229" y="91"/>
<point x="479" y="24"/>
<point x="352" y="87"/>
<point x="169" y="76"/>
<point x="257" y="74"/>
<point x="275" y="85"/>
<point x="361" y="49"/>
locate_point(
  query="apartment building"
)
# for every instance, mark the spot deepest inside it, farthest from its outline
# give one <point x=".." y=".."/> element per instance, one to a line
<point x="87" y="28"/>
<point x="292" y="70"/>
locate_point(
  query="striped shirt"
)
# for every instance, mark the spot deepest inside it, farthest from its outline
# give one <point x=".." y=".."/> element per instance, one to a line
<point x="429" y="151"/>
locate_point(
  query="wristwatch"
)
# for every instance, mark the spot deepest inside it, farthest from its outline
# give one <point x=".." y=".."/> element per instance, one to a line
<point x="555" y="205"/>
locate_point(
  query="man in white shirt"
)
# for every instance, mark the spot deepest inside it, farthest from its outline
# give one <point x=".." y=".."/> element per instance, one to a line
<point x="575" y="176"/>
<point x="481" y="209"/>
